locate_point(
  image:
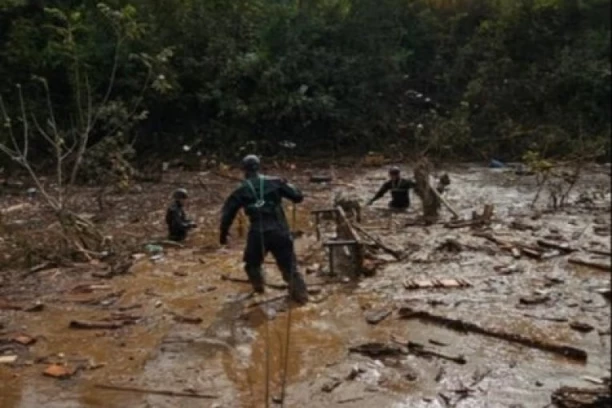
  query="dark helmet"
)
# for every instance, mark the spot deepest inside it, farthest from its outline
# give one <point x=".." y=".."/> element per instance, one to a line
<point x="394" y="171"/>
<point x="181" y="193"/>
<point x="250" y="163"/>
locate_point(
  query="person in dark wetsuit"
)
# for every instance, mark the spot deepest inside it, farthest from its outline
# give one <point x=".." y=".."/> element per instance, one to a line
<point x="176" y="219"/>
<point x="400" y="190"/>
<point x="261" y="198"/>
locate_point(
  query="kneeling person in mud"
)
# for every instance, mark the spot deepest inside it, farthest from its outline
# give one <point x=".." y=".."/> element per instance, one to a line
<point x="261" y="197"/>
<point x="400" y="191"/>
<point x="176" y="219"/>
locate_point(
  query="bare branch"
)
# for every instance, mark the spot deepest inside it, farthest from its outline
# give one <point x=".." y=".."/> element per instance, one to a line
<point x="111" y="82"/>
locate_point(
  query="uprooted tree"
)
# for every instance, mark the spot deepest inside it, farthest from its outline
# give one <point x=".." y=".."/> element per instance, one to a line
<point x="73" y="139"/>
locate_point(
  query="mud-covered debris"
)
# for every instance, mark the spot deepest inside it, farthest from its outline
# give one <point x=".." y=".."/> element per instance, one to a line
<point x="597" y="263"/>
<point x="440" y="374"/>
<point x="376" y="350"/>
<point x="553" y="280"/>
<point x="377" y="316"/>
<point x="168" y="393"/>
<point x="450" y="245"/>
<point x="85" y="324"/>
<point x="37" y="306"/>
<point x="602" y="231"/>
<point x="572" y="397"/>
<point x="187" y="319"/>
<point x="534" y="299"/>
<point x="320" y="178"/>
<point x="421" y="351"/>
<point x="331" y="385"/>
<point x="507" y="269"/>
<point x="581" y="327"/>
<point x="59" y="371"/>
<point x="314" y="268"/>
<point x="89" y="288"/>
<point x="10" y="359"/>
<point x="43" y="266"/>
<point x="206" y="289"/>
<point x="355" y="372"/>
<point x="605" y="292"/>
<point x="593" y="380"/>
<point x="465" y="326"/>
<point x="138" y="256"/>
<point x="523" y="226"/>
<point x="561" y="246"/>
<point x="24" y="339"/>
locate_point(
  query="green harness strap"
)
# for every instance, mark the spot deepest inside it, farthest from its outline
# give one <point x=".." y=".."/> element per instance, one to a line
<point x="259" y="201"/>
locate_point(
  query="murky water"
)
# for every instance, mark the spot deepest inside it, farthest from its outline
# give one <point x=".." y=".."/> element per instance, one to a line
<point x="236" y="347"/>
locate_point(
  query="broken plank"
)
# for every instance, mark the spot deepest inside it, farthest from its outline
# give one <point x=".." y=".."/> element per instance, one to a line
<point x="460" y="325"/>
<point x="168" y="393"/>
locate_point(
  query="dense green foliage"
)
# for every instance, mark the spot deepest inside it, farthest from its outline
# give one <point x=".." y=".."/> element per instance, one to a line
<point x="471" y="78"/>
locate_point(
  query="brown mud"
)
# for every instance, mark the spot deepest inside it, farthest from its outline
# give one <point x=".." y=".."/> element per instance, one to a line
<point x="193" y="332"/>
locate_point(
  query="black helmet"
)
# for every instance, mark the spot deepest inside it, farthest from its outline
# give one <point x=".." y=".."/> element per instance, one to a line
<point x="250" y="163"/>
<point x="180" y="193"/>
<point x="394" y="171"/>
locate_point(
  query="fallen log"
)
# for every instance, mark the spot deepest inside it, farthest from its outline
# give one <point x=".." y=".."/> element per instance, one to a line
<point x="593" y="263"/>
<point x="460" y="325"/>
<point x="167" y="393"/>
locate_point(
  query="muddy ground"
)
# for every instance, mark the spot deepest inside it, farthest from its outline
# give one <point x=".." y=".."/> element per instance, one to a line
<point x="193" y="332"/>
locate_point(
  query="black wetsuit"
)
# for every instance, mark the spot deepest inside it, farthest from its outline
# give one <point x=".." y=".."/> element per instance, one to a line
<point x="400" y="193"/>
<point x="261" y="198"/>
<point x="178" y="224"/>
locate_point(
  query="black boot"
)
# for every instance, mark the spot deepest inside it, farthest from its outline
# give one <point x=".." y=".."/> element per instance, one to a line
<point x="256" y="279"/>
<point x="298" y="292"/>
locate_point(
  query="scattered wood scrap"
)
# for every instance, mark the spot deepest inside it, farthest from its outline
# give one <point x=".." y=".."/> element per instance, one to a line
<point x="412" y="284"/>
<point x="460" y="325"/>
<point x="167" y="393"/>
